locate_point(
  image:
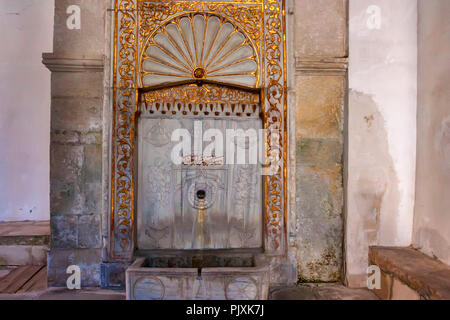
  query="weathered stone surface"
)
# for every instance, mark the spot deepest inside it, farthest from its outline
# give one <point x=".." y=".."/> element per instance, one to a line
<point x="87" y="259"/>
<point x="89" y="231"/>
<point x="39" y="255"/>
<point x="76" y="179"/>
<point x="319" y="152"/>
<point x="64" y="231"/>
<point x="76" y="231"/>
<point x="319" y="160"/>
<point x="91" y="138"/>
<point x="67" y="137"/>
<point x="430" y="278"/>
<point x="86" y="42"/>
<point x="91" y="177"/>
<point x="320" y="106"/>
<point x="77" y="114"/>
<point x="65" y="187"/>
<point x="320" y="28"/>
<point x="16" y="255"/>
<point x="113" y="275"/>
<point x="77" y="84"/>
<point x="320" y="234"/>
<point x="76" y="142"/>
<point x="300" y="292"/>
<point x="283" y="270"/>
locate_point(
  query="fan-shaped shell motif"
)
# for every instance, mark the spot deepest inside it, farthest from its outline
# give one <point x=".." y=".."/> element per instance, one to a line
<point x="199" y="46"/>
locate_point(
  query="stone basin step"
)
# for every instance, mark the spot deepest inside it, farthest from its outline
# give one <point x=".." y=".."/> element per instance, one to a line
<point x="25" y="233"/>
<point x="144" y="282"/>
<point x="24" y="243"/>
<point x="410" y="274"/>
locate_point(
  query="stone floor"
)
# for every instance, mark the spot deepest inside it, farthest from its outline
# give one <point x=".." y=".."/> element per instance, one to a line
<point x="301" y="292"/>
<point x="323" y="291"/>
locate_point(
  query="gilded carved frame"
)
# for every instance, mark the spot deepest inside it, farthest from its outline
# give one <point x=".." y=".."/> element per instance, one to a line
<point x="133" y="22"/>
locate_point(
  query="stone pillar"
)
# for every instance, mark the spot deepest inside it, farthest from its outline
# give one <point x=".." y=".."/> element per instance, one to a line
<point x="76" y="142"/>
<point x="321" y="81"/>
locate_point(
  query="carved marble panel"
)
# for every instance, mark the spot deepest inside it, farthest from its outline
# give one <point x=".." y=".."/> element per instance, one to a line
<point x="169" y="213"/>
<point x="259" y="25"/>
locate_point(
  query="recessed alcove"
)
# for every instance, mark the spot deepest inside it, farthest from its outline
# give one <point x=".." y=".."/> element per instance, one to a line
<point x="202" y="179"/>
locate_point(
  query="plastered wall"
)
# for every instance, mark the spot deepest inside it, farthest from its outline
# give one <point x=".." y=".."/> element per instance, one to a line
<point x="432" y="217"/>
<point x="27" y="31"/>
<point x="381" y="129"/>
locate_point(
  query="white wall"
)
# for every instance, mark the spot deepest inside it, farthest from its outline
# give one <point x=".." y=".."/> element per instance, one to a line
<point x="26" y="31"/>
<point x="432" y="218"/>
<point x="381" y="129"/>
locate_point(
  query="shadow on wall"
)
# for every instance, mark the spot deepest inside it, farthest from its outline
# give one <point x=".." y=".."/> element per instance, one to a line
<point x="442" y="143"/>
<point x="373" y="195"/>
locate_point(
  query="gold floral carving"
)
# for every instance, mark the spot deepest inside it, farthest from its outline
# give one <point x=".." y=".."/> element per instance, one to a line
<point x="275" y="111"/>
<point x="249" y="17"/>
<point x="206" y="100"/>
<point x="248" y="14"/>
<point x="263" y="21"/>
<point x="153" y="14"/>
<point x="122" y="188"/>
<point x="205" y="93"/>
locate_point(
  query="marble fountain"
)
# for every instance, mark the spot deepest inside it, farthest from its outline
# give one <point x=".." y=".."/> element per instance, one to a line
<point x="200" y="230"/>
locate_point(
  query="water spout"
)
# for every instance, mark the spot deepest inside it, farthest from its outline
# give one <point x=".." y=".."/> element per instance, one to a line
<point x="201" y="195"/>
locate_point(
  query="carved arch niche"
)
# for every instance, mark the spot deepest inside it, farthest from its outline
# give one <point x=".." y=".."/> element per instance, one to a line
<point x="162" y="46"/>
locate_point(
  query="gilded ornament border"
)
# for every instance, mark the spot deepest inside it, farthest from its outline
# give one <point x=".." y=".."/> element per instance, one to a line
<point x="123" y="130"/>
<point x="127" y="37"/>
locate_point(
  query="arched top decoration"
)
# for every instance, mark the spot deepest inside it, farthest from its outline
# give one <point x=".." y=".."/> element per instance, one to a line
<point x="199" y="47"/>
<point x="251" y="42"/>
<point x="207" y="100"/>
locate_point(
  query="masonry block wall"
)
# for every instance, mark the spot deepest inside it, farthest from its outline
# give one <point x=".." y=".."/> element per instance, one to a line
<point x="79" y="204"/>
<point x="76" y="142"/>
<point x="321" y="81"/>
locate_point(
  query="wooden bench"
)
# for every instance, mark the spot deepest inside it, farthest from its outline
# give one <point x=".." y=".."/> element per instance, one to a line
<point x="407" y="274"/>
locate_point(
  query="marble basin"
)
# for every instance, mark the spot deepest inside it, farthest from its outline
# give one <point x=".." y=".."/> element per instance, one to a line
<point x="248" y="281"/>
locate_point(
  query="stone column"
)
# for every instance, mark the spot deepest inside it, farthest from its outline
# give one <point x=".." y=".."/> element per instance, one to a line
<point x="321" y="82"/>
<point x="76" y="142"/>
